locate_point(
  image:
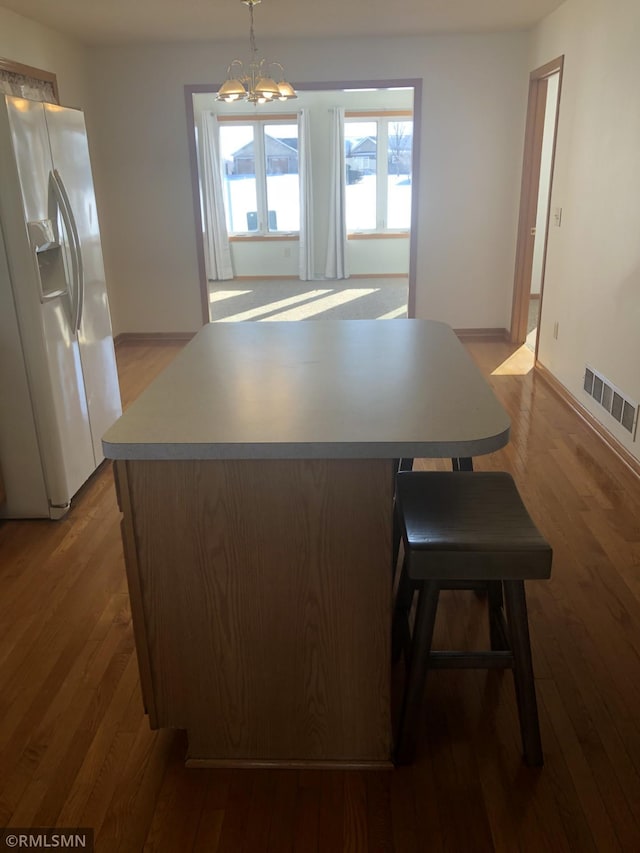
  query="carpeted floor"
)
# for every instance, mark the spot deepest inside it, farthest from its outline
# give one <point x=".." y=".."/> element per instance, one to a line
<point x="350" y="299"/>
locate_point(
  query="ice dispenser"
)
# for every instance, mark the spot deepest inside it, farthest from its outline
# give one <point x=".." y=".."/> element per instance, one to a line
<point x="49" y="259"/>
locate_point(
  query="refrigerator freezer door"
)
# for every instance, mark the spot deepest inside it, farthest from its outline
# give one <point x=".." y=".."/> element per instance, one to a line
<point x="70" y="153"/>
<point x="50" y="350"/>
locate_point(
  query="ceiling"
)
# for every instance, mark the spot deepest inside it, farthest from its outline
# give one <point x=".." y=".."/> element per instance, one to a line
<point x="130" y="21"/>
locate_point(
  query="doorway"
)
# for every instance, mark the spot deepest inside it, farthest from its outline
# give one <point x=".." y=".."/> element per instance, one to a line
<point x="264" y="254"/>
<point x="535" y="197"/>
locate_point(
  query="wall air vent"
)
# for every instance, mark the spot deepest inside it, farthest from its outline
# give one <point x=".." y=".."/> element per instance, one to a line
<point x="617" y="404"/>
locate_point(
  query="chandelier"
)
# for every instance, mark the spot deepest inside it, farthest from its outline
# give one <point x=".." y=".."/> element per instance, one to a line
<point x="254" y="81"/>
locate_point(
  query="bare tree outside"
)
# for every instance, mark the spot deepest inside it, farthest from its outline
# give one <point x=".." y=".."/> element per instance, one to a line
<point x="399" y="147"/>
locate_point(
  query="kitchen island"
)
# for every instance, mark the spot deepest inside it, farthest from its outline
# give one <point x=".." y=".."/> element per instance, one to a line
<point x="255" y="477"/>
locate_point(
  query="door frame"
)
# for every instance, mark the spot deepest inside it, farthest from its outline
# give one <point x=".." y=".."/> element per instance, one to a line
<point x="414" y="83"/>
<point x="529" y="191"/>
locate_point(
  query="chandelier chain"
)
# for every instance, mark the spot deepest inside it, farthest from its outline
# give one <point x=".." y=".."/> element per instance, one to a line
<point x="252" y="35"/>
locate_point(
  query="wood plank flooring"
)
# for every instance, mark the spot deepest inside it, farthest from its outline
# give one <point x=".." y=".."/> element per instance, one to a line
<point x="76" y="750"/>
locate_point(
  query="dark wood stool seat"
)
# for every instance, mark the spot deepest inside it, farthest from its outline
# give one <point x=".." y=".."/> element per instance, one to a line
<point x="466" y="530"/>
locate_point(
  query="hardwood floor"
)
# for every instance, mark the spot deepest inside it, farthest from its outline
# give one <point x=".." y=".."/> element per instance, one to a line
<point x="76" y="750"/>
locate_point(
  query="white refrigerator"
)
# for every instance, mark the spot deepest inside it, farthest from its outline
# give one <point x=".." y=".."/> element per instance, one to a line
<point x="58" y="382"/>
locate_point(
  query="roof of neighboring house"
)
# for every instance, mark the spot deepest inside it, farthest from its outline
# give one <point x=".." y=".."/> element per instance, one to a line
<point x="368" y="144"/>
<point x="282" y="147"/>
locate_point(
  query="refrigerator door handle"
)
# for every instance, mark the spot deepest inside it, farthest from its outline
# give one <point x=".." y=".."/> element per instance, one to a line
<point x="64" y="205"/>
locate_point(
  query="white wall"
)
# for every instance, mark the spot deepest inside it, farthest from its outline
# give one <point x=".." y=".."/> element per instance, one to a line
<point x="370" y="257"/>
<point x="29" y="43"/>
<point x="592" y="281"/>
<point x="473" y="111"/>
<point x="474" y="98"/>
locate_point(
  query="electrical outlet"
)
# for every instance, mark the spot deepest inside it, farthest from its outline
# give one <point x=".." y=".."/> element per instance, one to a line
<point x="287" y="253"/>
<point x="557" y="216"/>
<point x="556" y="329"/>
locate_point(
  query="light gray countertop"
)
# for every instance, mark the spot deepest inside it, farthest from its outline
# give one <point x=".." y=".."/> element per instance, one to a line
<point x="314" y="389"/>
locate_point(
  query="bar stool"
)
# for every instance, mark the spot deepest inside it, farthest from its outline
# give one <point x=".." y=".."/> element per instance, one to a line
<point x="466" y="530"/>
<point x="405" y="464"/>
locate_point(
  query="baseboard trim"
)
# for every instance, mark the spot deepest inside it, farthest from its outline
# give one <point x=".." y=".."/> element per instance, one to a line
<point x="318" y="281"/>
<point x="152" y="338"/>
<point x="483" y="335"/>
<point x="585" y="415"/>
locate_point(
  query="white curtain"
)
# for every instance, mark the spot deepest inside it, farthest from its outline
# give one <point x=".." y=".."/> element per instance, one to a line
<point x="337" y="265"/>
<point x="306" y="261"/>
<point x="217" y="252"/>
<point x="22" y="86"/>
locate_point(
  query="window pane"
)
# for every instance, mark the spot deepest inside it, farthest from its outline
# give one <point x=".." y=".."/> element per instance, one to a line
<point x="360" y="144"/>
<point x="283" y="192"/>
<point x="400" y="142"/>
<point x="239" y="177"/>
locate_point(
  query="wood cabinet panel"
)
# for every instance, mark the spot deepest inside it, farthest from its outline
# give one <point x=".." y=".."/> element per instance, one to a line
<point x="265" y="590"/>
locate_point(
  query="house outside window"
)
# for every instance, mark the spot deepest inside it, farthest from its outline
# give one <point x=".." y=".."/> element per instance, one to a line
<point x="378" y="157"/>
<point x="260" y="177"/>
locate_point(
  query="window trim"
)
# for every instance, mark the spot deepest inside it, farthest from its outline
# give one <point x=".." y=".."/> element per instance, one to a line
<point x="272" y="236"/>
<point x="380" y="235"/>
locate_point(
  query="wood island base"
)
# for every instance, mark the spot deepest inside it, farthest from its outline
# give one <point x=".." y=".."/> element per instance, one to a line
<point x="261" y="601"/>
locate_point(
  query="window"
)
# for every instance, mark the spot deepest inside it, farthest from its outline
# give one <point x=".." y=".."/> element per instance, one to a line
<point x="24" y="81"/>
<point x="378" y="188"/>
<point x="260" y="176"/>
